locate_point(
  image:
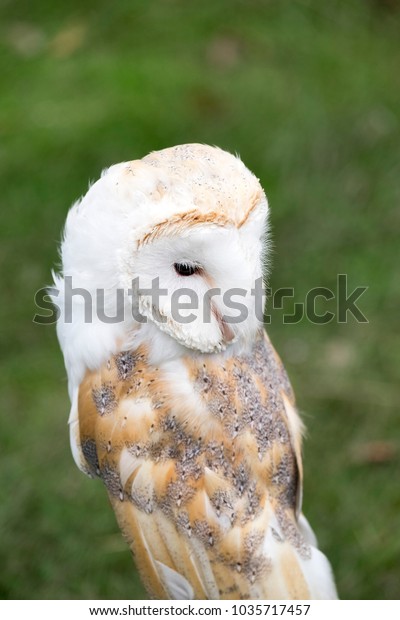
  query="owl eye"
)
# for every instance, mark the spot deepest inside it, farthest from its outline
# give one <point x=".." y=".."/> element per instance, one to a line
<point x="183" y="269"/>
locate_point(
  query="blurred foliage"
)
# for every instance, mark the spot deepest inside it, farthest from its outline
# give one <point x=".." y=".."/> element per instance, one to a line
<point x="308" y="93"/>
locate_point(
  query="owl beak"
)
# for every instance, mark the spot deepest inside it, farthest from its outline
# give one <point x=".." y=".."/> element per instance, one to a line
<point x="226" y="330"/>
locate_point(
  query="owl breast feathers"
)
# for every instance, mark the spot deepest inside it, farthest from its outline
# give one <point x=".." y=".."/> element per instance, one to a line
<point x="190" y="424"/>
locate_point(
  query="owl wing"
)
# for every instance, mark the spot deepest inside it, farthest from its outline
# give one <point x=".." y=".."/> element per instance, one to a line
<point x="115" y="436"/>
<point x="203" y="469"/>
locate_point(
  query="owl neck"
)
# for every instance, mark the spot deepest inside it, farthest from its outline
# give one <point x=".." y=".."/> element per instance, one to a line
<point x="89" y="346"/>
<point x="162" y="347"/>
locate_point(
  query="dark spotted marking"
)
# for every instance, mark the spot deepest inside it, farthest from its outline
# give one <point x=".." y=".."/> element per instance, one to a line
<point x="111" y="479"/>
<point x="142" y="500"/>
<point x="292" y="534"/>
<point x="264" y="420"/>
<point x="221" y="501"/>
<point x="90" y="453"/>
<point x="206" y="534"/>
<point x="286" y="478"/>
<point x="125" y="363"/>
<point x="162" y="451"/>
<point x="253" y="500"/>
<point x="279" y="429"/>
<point x="179" y="493"/>
<point x="193" y="449"/>
<point x="188" y="468"/>
<point x="138" y="449"/>
<point x="104" y="398"/>
<point x="255" y="567"/>
<point x="241" y="478"/>
<point x="204" y="380"/>
<point x="268" y="367"/>
<point x="254" y="563"/>
<point x="183" y="523"/>
<point x="216" y="458"/>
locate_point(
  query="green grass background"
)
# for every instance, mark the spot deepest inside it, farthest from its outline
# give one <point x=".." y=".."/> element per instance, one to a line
<point x="308" y="93"/>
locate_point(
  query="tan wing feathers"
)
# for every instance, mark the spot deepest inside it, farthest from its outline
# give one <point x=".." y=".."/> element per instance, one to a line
<point x="196" y="494"/>
<point x="129" y="521"/>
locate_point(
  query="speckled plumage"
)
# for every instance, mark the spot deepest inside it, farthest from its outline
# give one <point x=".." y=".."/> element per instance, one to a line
<point x="192" y="427"/>
<point x="218" y="483"/>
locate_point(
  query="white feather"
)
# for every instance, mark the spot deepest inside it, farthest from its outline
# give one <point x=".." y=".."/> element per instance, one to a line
<point x="178" y="587"/>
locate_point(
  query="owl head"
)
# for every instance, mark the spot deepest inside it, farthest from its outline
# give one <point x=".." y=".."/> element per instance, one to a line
<point x="168" y="251"/>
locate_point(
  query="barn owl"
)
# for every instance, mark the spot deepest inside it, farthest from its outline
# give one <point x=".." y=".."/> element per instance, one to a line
<point x="190" y="423"/>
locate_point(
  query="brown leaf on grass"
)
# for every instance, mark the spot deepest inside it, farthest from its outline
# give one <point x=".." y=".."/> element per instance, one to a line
<point x="224" y="52"/>
<point x="68" y="40"/>
<point x="389" y="5"/>
<point x="340" y="353"/>
<point x="375" y="452"/>
<point x="207" y="103"/>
